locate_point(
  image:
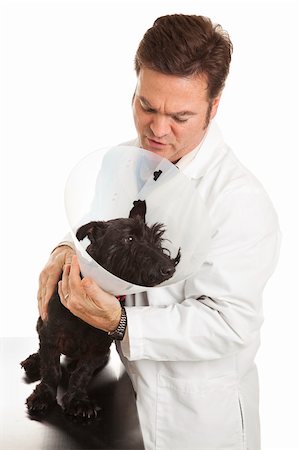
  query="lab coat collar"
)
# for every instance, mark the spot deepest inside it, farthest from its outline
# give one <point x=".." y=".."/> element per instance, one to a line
<point x="200" y="160"/>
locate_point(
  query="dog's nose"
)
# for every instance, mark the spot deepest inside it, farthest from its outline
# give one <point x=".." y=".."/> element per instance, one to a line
<point x="166" y="271"/>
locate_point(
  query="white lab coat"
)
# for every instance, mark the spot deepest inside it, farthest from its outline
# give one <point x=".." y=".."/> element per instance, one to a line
<point x="191" y="347"/>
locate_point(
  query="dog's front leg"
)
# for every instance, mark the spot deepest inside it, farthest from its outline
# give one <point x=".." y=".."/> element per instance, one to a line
<point x="44" y="395"/>
<point x="76" y="402"/>
<point x="31" y="365"/>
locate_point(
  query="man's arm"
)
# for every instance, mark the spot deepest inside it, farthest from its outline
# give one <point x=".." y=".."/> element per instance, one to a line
<point x="221" y="307"/>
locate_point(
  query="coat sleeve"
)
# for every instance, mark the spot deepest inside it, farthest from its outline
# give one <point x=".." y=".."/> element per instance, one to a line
<point x="221" y="308"/>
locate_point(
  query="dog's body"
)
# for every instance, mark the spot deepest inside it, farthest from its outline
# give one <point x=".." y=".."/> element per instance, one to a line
<point x="132" y="251"/>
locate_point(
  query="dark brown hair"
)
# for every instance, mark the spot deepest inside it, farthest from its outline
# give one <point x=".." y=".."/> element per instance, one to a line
<point x="187" y="45"/>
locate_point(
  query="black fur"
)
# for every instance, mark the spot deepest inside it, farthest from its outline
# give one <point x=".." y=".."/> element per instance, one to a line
<point x="132" y="251"/>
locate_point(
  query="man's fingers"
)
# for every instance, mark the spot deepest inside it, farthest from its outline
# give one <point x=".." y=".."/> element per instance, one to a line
<point x="46" y="289"/>
<point x="74" y="275"/>
<point x="63" y="297"/>
<point x="65" y="289"/>
<point x="69" y="257"/>
<point x="50" y="276"/>
<point x="43" y="280"/>
<point x="40" y="298"/>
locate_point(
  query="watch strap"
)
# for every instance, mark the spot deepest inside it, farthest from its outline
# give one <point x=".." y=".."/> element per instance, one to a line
<point x="119" y="333"/>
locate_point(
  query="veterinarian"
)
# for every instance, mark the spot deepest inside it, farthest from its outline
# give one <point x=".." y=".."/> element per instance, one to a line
<point x="190" y="348"/>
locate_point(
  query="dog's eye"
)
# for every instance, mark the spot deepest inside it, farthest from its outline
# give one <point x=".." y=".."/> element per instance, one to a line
<point x="129" y="239"/>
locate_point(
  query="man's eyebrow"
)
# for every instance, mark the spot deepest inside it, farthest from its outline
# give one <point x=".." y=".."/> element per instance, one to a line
<point x="178" y="113"/>
<point x="145" y="101"/>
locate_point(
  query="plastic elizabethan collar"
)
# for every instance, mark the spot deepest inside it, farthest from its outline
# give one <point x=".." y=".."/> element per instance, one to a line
<point x="103" y="186"/>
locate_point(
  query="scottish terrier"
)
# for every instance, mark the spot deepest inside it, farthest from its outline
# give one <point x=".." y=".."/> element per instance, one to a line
<point x="129" y="249"/>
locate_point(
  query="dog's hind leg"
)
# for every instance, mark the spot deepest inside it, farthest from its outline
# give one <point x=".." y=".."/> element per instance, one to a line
<point x="44" y="395"/>
<point x="31" y="365"/>
<point x="76" y="402"/>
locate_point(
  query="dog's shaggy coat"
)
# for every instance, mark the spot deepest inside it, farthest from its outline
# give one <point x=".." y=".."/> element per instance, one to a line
<point x="127" y="248"/>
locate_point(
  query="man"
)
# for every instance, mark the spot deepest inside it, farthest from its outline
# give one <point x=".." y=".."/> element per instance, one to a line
<point x="189" y="349"/>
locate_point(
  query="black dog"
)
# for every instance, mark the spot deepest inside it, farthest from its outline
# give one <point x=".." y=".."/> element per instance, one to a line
<point x="130" y="250"/>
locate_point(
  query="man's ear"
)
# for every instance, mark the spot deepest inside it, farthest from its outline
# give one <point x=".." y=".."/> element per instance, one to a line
<point x="92" y="230"/>
<point x="139" y="209"/>
<point x="215" y="104"/>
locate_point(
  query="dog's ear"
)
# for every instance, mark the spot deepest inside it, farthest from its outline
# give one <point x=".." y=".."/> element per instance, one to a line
<point x="92" y="230"/>
<point x="139" y="209"/>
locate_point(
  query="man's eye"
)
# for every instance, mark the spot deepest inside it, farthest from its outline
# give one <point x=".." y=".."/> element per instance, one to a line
<point x="180" y="119"/>
<point x="148" y="110"/>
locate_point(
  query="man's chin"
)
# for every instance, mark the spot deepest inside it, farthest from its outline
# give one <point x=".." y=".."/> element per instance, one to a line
<point x="162" y="150"/>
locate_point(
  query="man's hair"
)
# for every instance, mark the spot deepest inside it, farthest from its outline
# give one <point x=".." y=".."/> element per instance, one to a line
<point x="187" y="45"/>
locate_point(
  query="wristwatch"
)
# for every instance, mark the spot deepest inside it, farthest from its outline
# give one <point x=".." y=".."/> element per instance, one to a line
<point x="119" y="333"/>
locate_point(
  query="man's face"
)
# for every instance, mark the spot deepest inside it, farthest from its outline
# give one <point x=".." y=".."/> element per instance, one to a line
<point x="171" y="113"/>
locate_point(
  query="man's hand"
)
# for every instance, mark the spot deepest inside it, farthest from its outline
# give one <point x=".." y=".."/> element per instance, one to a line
<point x="86" y="300"/>
<point x="50" y="276"/>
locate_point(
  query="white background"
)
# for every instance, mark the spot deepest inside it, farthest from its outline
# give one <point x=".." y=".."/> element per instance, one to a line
<point x="67" y="81"/>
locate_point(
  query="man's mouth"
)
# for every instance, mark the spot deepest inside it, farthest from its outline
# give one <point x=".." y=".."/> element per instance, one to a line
<point x="155" y="143"/>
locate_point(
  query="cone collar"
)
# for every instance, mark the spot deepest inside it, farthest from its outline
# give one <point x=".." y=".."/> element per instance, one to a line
<point x="104" y="185"/>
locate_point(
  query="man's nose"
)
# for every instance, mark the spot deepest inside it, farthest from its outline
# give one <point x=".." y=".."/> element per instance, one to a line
<point x="160" y="125"/>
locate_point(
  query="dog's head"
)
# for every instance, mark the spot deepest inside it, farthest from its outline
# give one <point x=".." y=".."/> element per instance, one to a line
<point x="130" y="249"/>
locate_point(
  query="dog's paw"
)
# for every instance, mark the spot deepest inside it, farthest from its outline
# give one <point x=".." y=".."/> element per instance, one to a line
<point x="80" y="408"/>
<point x="31" y="365"/>
<point x="41" y="400"/>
